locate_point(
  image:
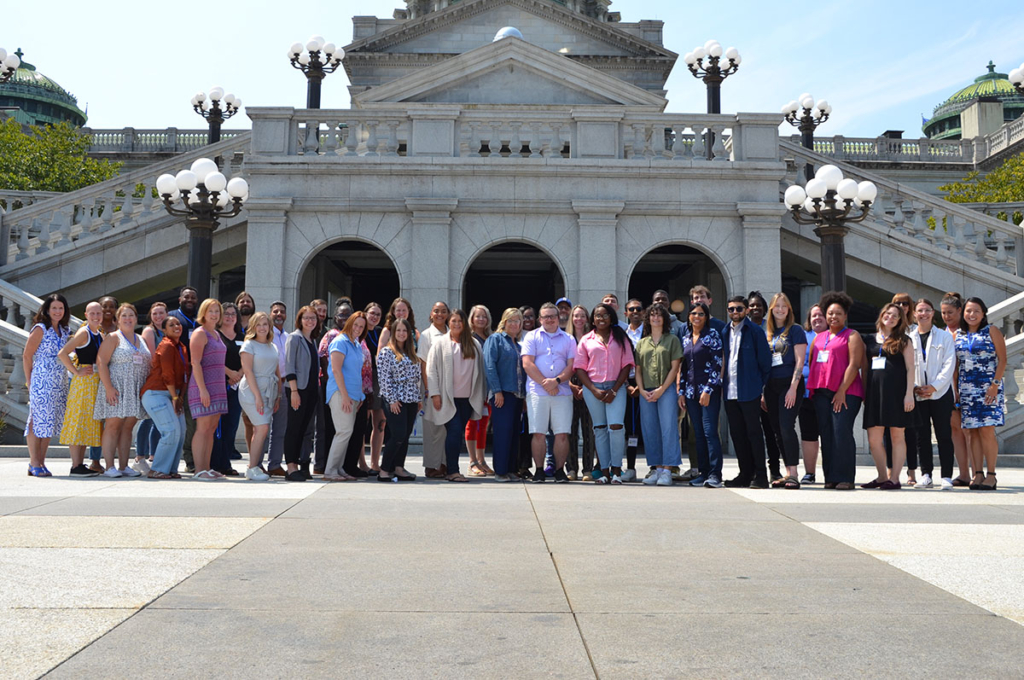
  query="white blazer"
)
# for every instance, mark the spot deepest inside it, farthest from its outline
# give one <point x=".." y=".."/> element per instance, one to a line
<point x="935" y="366"/>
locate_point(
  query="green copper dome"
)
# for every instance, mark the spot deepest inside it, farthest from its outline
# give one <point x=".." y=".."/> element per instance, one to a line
<point x="35" y="99"/>
<point x="945" y="122"/>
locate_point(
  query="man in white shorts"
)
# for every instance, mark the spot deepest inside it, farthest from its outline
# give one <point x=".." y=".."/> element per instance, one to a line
<point x="548" y="353"/>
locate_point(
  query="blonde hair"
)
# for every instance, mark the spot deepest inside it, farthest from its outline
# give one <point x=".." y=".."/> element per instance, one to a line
<point x="487" y="313"/>
<point x="506" y="316"/>
<point x="250" y="331"/>
<point x="770" y="326"/>
<point x="570" y="328"/>
<point x="124" y="306"/>
<point x="205" y="307"/>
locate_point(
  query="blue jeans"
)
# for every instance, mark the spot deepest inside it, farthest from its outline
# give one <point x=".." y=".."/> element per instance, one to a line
<point x="455" y="434"/>
<point x="838" y="448"/>
<point x="705" y="432"/>
<point x="660" y="423"/>
<point x="170" y="425"/>
<point x="224" y="443"/>
<point x="146" y="438"/>
<point x="610" y="444"/>
<point x="506" y="436"/>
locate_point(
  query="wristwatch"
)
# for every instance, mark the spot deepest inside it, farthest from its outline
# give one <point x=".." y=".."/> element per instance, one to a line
<point x="558" y="379"/>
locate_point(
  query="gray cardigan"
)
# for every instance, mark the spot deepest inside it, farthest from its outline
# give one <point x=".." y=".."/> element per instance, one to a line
<point x="297" y="360"/>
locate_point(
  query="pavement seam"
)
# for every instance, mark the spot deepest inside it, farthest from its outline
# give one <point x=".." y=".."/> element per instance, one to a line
<point x="565" y="593"/>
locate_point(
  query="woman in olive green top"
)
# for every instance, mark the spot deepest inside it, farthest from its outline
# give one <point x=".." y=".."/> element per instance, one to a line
<point x="658" y="355"/>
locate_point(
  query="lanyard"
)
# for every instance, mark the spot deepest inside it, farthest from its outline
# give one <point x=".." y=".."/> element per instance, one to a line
<point x="881" y="345"/>
<point x="134" y="348"/>
<point x="971" y="339"/>
<point x="924" y="350"/>
<point x="829" y="338"/>
<point x="774" y="342"/>
<point x="181" y="353"/>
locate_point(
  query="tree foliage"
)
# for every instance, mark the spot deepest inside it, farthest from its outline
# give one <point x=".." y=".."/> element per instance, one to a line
<point x="1005" y="184"/>
<point x="51" y="158"/>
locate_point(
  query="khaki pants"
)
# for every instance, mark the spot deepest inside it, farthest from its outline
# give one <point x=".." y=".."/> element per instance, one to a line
<point x="344" y="423"/>
<point x="433" y="439"/>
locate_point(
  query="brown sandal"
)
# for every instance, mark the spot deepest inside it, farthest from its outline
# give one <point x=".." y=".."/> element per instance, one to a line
<point x="791" y="483"/>
<point x="476" y="470"/>
<point x="456" y="478"/>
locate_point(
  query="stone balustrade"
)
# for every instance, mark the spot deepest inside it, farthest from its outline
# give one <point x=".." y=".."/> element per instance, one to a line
<point x="934" y="222"/>
<point x="169" y="140"/>
<point x="15" y="324"/>
<point x="513" y="135"/>
<point x="1002" y="139"/>
<point x="118" y="203"/>
<point x="885" y="149"/>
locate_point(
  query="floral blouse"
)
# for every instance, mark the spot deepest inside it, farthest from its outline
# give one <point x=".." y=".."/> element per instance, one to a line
<point x="400" y="381"/>
<point x="701" y="370"/>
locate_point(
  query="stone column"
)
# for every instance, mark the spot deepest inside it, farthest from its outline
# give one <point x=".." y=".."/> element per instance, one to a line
<point x="598" y="221"/>
<point x="762" y="247"/>
<point x="429" y="278"/>
<point x="268" y="276"/>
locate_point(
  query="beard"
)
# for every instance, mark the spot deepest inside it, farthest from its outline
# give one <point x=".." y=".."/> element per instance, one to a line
<point x="246" y="310"/>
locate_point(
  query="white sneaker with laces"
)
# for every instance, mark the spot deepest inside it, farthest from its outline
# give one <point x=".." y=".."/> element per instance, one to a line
<point x="664" y="477"/>
<point x="128" y="472"/>
<point x="141" y="466"/>
<point x="256" y="475"/>
<point x="925" y="482"/>
<point x="947" y="484"/>
<point x="112" y="472"/>
<point x="652" y="479"/>
<point x="616" y="479"/>
<point x="629" y="475"/>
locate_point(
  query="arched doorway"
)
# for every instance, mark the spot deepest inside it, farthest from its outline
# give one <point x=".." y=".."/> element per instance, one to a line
<point x="511" y="274"/>
<point x="677" y="268"/>
<point x="359" y="270"/>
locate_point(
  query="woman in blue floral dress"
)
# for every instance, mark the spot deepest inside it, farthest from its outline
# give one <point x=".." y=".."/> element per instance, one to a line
<point x="700" y="392"/>
<point x="981" y="362"/>
<point x="46" y="379"/>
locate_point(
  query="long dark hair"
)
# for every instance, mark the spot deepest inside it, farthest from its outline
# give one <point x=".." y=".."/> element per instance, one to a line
<point x="984" y="314"/>
<point x="43" y="315"/>
<point x="466" y="341"/>
<point x="707" y="317"/>
<point x="390" y="317"/>
<point x="617" y="333"/>
<point x="662" y="311"/>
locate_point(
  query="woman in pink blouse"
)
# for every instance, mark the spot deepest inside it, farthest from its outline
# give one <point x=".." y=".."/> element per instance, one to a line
<point x="603" y="359"/>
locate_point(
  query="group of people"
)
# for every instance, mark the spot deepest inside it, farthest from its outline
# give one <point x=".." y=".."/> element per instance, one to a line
<point x="312" y="397"/>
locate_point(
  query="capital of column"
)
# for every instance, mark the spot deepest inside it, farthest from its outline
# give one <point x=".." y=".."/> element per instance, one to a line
<point x="766" y="215"/>
<point x="271" y="209"/>
<point x="431" y="210"/>
<point x="598" y="213"/>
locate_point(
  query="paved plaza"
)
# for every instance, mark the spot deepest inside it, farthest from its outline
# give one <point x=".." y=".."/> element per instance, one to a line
<point x="138" y="578"/>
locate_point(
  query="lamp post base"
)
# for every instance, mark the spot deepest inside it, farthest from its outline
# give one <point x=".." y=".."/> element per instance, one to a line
<point x="200" y="257"/>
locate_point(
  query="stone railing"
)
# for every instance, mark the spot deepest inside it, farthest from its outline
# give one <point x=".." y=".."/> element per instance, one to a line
<point x="1009" y="134"/>
<point x="12" y="200"/>
<point x="949" y="227"/>
<point x="170" y="140"/>
<point x="994" y="209"/>
<point x="117" y="203"/>
<point x="863" y="149"/>
<point x="514" y="135"/>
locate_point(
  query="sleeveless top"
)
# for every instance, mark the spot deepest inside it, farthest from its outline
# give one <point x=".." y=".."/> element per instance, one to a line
<point x="86" y="354"/>
<point x="828" y="375"/>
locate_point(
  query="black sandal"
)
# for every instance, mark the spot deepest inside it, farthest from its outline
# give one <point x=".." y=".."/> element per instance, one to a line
<point x="988" y="487"/>
<point x="976" y="486"/>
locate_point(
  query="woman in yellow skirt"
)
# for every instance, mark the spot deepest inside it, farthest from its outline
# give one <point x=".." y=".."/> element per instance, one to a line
<point x="80" y="428"/>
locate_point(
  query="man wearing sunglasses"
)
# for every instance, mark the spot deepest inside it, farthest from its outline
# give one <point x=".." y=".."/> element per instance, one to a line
<point x="748" y="363"/>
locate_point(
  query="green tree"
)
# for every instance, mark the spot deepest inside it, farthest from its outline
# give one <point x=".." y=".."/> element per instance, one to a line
<point x="1005" y="184"/>
<point x="52" y="158"/>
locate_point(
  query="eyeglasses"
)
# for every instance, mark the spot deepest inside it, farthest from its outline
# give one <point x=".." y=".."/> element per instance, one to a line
<point x="548" y="316"/>
<point x="634" y="309"/>
<point x="699" y="315"/>
<point x="736" y="309"/>
<point x="601" y="316"/>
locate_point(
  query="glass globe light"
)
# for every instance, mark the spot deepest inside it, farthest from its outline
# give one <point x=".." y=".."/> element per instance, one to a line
<point x="3" y="55"/>
<point x="828" y="109"/>
<point x="700" y="53"/>
<point x="215" y="181"/>
<point x="296" y="48"/>
<point x="822" y="105"/>
<point x="314" y="45"/>
<point x="716" y="50"/>
<point x="237" y="187"/>
<point x="165" y="184"/>
<point x="817" y="188"/>
<point x="193" y="197"/>
<point x="304" y="58"/>
<point x="738" y="60"/>
<point x="223" y="200"/>
<point x="202" y="168"/>
<point x="216" y="93"/>
<point x="709" y="44"/>
<point x="186" y="180"/>
<point x="809" y="207"/>
<point x="807" y="103"/>
<point x="795" y="195"/>
<point x="229" y="99"/>
<point x="12" y="61"/>
<point x="1016" y="76"/>
<point x="829" y="174"/>
<point x="689" y="59"/>
<point x="238" y="103"/>
<point x="867" y="192"/>
<point x="339" y="54"/>
<point x="329" y="49"/>
<point x="732" y="53"/>
<point x="847" y="189"/>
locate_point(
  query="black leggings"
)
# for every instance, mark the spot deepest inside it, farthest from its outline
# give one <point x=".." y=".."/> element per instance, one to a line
<point x="298" y="420"/>
<point x="396" y="441"/>
<point x="782" y="419"/>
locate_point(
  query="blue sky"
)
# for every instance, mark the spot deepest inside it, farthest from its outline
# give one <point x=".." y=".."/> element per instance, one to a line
<point x="880" y="64"/>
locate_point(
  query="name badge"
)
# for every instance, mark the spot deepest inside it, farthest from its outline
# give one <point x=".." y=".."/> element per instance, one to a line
<point x="632" y="442"/>
<point x="138" y="359"/>
<point x="877" y="363"/>
<point x="823" y="356"/>
<point x="777" y="359"/>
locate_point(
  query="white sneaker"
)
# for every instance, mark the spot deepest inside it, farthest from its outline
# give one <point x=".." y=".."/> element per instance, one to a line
<point x="112" y="472"/>
<point x="256" y="475"/>
<point x="652" y="479"/>
<point x="616" y="479"/>
<point x="629" y="475"/>
<point x="925" y="482"/>
<point x="651" y="473"/>
<point x="601" y="480"/>
<point x="128" y="472"/>
<point x="665" y="477"/>
<point x="947" y="484"/>
<point x="141" y="466"/>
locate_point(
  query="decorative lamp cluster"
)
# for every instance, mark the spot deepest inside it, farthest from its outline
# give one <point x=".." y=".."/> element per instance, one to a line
<point x="1016" y="77"/>
<point x="315" y="59"/>
<point x="829" y="198"/>
<point x="9" y="63"/>
<point x="712" y="51"/>
<point x="230" y="104"/>
<point x="818" y="113"/>
<point x="203" y="190"/>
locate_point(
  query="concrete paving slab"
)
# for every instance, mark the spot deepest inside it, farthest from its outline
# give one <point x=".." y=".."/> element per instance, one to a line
<point x="935" y="513"/>
<point x="32" y="641"/>
<point x="12" y="504"/>
<point x="475" y="490"/>
<point x="338" y="644"/>
<point x="248" y="577"/>
<point x="384" y="509"/>
<point x="831" y="643"/>
<point x="689" y="536"/>
<point x="959" y="496"/>
<point x="23" y="531"/>
<point x="189" y="488"/>
<point x="88" y="506"/>
<point x="729" y="584"/>
<point x="722" y="506"/>
<point x="84" y="578"/>
<point x="48" y="487"/>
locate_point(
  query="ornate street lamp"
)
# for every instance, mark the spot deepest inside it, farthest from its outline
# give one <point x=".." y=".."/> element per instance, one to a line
<point x="806" y="117"/>
<point x="206" y="197"/>
<point x="1017" y="78"/>
<point x="827" y="202"/>
<point x="705" y="64"/>
<point x="210" y="109"/>
<point x="9" y="63"/>
<point x="315" y="68"/>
